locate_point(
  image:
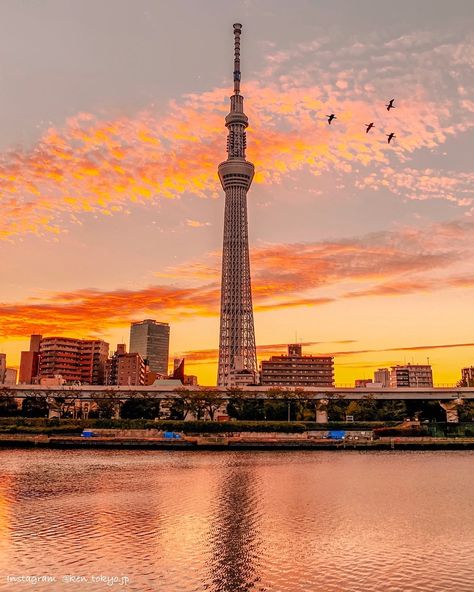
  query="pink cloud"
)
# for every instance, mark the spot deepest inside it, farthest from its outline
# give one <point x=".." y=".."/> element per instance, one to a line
<point x="102" y="165"/>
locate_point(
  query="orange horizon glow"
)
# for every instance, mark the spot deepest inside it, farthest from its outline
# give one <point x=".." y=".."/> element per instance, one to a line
<point x="396" y="269"/>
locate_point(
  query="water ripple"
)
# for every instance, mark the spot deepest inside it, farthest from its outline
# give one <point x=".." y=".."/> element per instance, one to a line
<point x="239" y="521"/>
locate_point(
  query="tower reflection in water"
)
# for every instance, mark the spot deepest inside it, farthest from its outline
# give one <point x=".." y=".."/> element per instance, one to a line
<point x="235" y="537"/>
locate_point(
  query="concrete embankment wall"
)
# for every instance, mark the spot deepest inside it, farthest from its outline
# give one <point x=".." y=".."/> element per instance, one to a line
<point x="239" y="441"/>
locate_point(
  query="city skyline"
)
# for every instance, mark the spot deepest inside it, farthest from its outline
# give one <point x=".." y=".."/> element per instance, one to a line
<point x="112" y="210"/>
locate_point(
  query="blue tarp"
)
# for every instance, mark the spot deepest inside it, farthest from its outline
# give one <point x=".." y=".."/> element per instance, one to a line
<point x="337" y="435"/>
<point x="171" y="435"/>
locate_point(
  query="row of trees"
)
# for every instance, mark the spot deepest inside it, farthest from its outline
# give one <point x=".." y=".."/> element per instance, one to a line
<point x="205" y="403"/>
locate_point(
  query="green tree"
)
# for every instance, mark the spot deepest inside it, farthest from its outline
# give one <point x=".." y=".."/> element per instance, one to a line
<point x="35" y="406"/>
<point x="8" y="405"/>
<point x="337" y="407"/>
<point x="246" y="409"/>
<point x="466" y="411"/>
<point x="276" y="410"/>
<point x="138" y="408"/>
<point x="391" y="410"/>
<point x="364" y="409"/>
<point x="211" y="399"/>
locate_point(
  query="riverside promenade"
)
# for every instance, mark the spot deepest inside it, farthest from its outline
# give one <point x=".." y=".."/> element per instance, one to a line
<point x="236" y="441"/>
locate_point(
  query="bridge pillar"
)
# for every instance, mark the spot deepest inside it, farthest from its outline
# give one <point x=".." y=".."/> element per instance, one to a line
<point x="116" y="408"/>
<point x="53" y="409"/>
<point x="322" y="411"/>
<point x="451" y="409"/>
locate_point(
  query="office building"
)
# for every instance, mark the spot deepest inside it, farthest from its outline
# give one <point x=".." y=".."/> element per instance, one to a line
<point x="296" y="369"/>
<point x="29" y="361"/>
<point x="467" y="376"/>
<point x="151" y="340"/>
<point x="10" y="376"/>
<point x="125" y="369"/>
<point x="411" y="376"/>
<point x="3" y="367"/>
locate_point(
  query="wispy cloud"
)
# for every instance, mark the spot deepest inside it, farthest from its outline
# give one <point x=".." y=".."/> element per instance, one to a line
<point x="284" y="276"/>
<point x="196" y="223"/>
<point x="423" y="184"/>
<point x="102" y="165"/>
<point x="207" y="356"/>
<point x="281" y="269"/>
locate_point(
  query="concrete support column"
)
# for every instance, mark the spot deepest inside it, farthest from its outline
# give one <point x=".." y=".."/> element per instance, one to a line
<point x="53" y="409"/>
<point x="322" y="411"/>
<point x="116" y="413"/>
<point x="451" y="409"/>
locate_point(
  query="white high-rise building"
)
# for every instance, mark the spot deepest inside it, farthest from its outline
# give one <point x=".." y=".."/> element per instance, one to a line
<point x="411" y="376"/>
<point x="382" y="377"/>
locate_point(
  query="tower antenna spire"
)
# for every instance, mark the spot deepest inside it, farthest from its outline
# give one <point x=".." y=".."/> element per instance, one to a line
<point x="237" y="32"/>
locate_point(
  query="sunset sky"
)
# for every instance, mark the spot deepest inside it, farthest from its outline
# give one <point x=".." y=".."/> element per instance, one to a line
<point x="112" y="127"/>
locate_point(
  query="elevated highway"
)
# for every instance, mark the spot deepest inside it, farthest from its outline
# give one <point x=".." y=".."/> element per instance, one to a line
<point x="122" y="393"/>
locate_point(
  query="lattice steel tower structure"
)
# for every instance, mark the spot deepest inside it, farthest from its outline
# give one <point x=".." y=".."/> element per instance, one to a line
<point x="237" y="334"/>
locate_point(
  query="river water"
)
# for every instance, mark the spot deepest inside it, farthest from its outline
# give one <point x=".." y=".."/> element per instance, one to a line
<point x="239" y="521"/>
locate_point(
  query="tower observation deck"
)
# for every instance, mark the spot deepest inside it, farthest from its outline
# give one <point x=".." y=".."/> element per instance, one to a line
<point x="237" y="349"/>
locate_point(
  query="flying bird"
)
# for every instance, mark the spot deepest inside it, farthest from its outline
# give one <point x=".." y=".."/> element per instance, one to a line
<point x="331" y="117"/>
<point x="390" y="137"/>
<point x="369" y="126"/>
<point x="390" y="105"/>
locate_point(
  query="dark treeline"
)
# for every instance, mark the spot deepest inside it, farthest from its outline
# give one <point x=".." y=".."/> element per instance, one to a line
<point x="207" y="404"/>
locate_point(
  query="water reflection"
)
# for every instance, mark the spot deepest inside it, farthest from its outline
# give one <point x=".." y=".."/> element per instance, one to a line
<point x="235" y="539"/>
<point x="240" y="522"/>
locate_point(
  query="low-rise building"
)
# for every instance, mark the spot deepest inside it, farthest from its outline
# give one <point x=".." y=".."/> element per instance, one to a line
<point x="362" y="382"/>
<point x="76" y="360"/>
<point x="411" y="376"/>
<point x="125" y="369"/>
<point x="382" y="376"/>
<point x="242" y="377"/>
<point x="467" y="376"/>
<point x="3" y="367"/>
<point x="296" y="369"/>
<point x="10" y="376"/>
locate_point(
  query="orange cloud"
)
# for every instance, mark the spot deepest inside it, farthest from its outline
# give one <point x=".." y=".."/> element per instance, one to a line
<point x="87" y="312"/>
<point x="281" y="269"/>
<point x="100" y="165"/>
<point x="283" y="276"/>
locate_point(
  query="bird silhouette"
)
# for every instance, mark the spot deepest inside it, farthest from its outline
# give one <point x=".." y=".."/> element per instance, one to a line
<point x="390" y="137"/>
<point x="369" y="126"/>
<point x="390" y="105"/>
<point x="331" y="117"/>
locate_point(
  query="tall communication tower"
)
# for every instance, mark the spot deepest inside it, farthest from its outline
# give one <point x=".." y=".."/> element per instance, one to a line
<point x="237" y="349"/>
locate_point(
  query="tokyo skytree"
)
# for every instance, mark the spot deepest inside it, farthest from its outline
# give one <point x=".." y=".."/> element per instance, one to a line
<point x="237" y="349"/>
